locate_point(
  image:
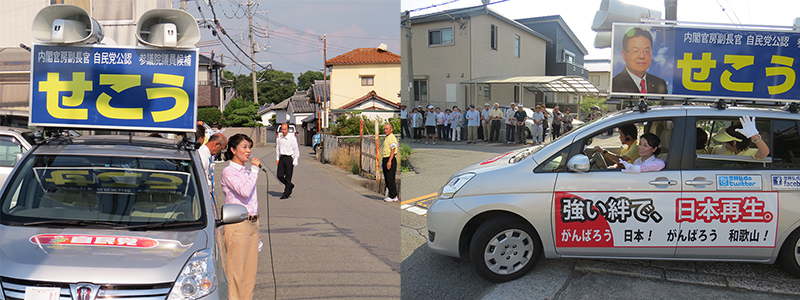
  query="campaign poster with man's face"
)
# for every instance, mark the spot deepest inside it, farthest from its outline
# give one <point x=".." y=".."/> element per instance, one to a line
<point x="642" y="61"/>
<point x="705" y="62"/>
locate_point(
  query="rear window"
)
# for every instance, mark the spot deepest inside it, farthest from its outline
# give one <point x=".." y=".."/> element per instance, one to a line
<point x="117" y="191"/>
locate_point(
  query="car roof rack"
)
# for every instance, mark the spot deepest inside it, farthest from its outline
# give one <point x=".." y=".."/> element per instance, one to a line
<point x="61" y="136"/>
<point x="639" y="103"/>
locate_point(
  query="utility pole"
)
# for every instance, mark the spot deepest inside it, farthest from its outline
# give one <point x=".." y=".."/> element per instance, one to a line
<point x="183" y="5"/>
<point x="671" y="9"/>
<point x="406" y="24"/>
<point x="325" y="101"/>
<point x="252" y="49"/>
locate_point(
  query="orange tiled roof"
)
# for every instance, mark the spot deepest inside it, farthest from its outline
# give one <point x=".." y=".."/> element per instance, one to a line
<point x="365" y="56"/>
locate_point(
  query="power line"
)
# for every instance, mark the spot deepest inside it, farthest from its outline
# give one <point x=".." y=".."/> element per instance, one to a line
<point x="433" y="6"/>
<point x="726" y="13"/>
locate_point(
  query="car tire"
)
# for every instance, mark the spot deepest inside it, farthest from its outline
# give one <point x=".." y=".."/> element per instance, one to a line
<point x="789" y="257"/>
<point x="504" y="249"/>
<point x="528" y="133"/>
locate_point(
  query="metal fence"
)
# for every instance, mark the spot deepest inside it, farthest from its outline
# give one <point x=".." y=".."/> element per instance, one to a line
<point x="363" y="152"/>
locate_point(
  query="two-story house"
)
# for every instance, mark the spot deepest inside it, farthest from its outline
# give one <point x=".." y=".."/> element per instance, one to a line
<point x="367" y="80"/>
<point x="564" y="54"/>
<point x="475" y="55"/>
<point x="454" y="46"/>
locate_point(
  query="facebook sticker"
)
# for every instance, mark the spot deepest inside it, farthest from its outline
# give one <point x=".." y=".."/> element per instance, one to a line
<point x="739" y="182"/>
<point x="785" y="182"/>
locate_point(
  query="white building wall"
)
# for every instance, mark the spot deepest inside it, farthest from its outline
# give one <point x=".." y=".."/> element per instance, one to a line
<point x="471" y="56"/>
<point x="346" y="82"/>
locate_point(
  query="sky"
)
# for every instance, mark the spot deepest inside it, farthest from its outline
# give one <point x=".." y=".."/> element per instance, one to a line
<point x="579" y="14"/>
<point x="289" y="30"/>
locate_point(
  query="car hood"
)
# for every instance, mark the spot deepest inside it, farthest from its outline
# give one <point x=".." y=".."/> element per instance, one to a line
<point x="75" y="254"/>
<point x="502" y="160"/>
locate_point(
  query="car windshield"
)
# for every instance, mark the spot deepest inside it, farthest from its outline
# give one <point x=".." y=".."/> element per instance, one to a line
<point x="102" y="191"/>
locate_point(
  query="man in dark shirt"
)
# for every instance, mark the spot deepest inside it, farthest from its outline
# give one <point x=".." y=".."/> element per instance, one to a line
<point x="520" y="115"/>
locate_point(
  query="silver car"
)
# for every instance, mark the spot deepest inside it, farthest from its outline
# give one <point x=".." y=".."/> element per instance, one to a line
<point x="13" y="141"/>
<point x="100" y="217"/>
<point x="562" y="199"/>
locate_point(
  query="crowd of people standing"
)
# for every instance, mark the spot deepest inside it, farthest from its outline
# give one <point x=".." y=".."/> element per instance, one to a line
<point x="431" y="124"/>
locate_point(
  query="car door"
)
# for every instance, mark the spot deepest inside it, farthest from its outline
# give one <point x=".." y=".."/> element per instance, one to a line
<point x="729" y="206"/>
<point x="605" y="212"/>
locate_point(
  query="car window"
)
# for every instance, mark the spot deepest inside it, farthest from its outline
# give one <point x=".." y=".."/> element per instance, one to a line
<point x="609" y="139"/>
<point x="714" y="150"/>
<point x="9" y="147"/>
<point x="122" y="190"/>
<point x="786" y="147"/>
<point x="555" y="163"/>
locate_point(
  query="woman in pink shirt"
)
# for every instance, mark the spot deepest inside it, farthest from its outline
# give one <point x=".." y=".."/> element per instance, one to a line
<point x="241" y="239"/>
<point x="649" y="148"/>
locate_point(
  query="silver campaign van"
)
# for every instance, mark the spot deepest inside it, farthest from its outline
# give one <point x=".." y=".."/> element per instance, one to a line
<point x="561" y="199"/>
<point x="111" y="217"/>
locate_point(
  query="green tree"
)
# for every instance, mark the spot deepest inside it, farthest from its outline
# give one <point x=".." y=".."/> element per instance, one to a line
<point x="239" y="113"/>
<point x="588" y="102"/>
<point x="275" y="86"/>
<point x="307" y="78"/>
<point x="349" y="124"/>
<point x="209" y="115"/>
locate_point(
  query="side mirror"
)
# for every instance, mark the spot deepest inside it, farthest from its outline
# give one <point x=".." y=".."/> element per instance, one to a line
<point x="232" y="214"/>
<point x="579" y="163"/>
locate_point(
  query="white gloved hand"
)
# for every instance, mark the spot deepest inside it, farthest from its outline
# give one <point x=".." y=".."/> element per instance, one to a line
<point x="748" y="126"/>
<point x="629" y="167"/>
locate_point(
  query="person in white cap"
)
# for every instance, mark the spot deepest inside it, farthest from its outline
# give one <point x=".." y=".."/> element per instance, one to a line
<point x="486" y="122"/>
<point x="496" y="115"/>
<point x="520" y="117"/>
<point x="511" y="124"/>
<point x="430" y="125"/>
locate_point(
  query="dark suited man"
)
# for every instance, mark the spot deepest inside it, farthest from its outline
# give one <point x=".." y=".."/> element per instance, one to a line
<point x="637" y="52"/>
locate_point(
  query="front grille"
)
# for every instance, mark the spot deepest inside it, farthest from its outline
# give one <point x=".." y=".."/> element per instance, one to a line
<point x="14" y="289"/>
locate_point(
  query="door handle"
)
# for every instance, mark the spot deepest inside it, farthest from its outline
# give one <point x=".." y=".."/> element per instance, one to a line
<point x="699" y="182"/>
<point x="663" y="182"/>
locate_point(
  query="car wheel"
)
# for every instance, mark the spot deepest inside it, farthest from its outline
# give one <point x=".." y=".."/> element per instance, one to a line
<point x="789" y="257"/>
<point x="528" y="133"/>
<point x="504" y="249"/>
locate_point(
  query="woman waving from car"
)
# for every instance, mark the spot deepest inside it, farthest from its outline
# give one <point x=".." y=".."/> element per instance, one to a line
<point x="647" y="161"/>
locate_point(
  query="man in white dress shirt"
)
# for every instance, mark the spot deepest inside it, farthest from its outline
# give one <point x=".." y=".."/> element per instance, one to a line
<point x="287" y="153"/>
<point x="206" y="152"/>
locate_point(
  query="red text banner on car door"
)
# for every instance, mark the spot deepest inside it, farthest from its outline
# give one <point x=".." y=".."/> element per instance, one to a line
<point x="709" y="219"/>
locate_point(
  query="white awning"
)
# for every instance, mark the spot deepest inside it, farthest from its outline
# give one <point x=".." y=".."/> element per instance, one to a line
<point x="557" y="84"/>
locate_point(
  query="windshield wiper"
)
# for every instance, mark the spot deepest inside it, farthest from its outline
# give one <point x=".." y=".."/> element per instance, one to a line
<point x="72" y="223"/>
<point x="166" y="224"/>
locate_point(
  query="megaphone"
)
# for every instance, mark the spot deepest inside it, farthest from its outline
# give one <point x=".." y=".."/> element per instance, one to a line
<point x="617" y="11"/>
<point x="167" y="28"/>
<point x="66" y="24"/>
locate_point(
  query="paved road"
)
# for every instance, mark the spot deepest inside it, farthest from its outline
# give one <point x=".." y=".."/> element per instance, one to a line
<point x="430" y="276"/>
<point x="331" y="239"/>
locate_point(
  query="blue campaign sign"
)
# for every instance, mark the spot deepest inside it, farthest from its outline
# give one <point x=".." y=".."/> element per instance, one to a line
<point x="119" y="88"/>
<point x="705" y="62"/>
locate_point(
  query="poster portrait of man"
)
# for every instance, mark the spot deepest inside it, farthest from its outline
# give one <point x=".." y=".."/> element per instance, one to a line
<point x="637" y="52"/>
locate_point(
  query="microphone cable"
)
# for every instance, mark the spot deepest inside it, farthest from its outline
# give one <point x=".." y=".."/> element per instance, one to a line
<point x="269" y="236"/>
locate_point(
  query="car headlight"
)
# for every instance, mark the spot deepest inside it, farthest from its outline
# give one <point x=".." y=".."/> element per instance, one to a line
<point x="197" y="279"/>
<point x="449" y="190"/>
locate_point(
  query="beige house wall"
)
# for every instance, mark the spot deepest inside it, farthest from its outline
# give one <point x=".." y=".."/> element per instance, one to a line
<point x="471" y="56"/>
<point x="346" y="82"/>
